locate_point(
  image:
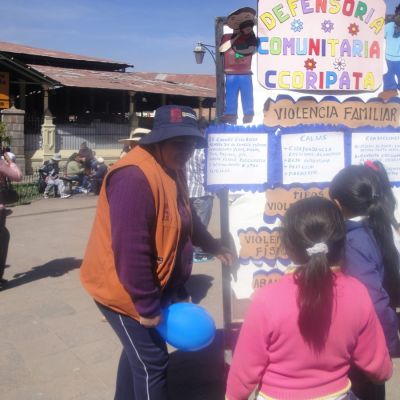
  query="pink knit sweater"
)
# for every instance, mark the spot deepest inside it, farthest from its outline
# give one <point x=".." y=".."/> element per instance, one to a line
<point x="10" y="171"/>
<point x="272" y="355"/>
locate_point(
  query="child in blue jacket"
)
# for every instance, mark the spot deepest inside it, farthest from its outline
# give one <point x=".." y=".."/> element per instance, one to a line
<point x="370" y="253"/>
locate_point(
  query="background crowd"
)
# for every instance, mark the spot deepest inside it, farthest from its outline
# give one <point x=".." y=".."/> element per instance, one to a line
<point x="83" y="172"/>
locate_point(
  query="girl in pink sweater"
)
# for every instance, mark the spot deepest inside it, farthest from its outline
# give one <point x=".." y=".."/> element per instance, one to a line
<point x="300" y="335"/>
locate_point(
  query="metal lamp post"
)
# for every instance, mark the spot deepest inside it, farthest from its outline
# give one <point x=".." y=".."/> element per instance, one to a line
<point x="200" y="49"/>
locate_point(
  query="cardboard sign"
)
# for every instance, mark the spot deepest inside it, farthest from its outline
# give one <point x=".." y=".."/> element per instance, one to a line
<point x="288" y="113"/>
<point x="4" y="90"/>
<point x="262" y="244"/>
<point x="280" y="199"/>
<point x="321" y="45"/>
<point x="262" y="278"/>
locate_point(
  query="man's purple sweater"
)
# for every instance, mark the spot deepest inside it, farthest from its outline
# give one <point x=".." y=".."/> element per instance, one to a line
<point x="133" y="219"/>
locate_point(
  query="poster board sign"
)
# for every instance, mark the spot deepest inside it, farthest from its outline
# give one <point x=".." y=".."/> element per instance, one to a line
<point x="321" y="45"/>
<point x="316" y="154"/>
<point x="318" y="68"/>
<point x="4" y="90"/>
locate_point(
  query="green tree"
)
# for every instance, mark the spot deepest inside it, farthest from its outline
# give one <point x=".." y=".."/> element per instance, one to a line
<point x="4" y="138"/>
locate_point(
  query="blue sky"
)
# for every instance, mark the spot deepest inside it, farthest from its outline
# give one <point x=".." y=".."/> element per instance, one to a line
<point x="155" y="36"/>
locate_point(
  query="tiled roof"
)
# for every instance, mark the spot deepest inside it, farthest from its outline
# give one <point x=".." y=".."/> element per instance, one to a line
<point x="33" y="51"/>
<point x="175" y="84"/>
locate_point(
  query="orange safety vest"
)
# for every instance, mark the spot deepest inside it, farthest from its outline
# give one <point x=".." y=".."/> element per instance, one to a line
<point x="98" y="271"/>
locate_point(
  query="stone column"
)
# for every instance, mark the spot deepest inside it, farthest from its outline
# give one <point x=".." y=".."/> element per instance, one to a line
<point x="48" y="129"/>
<point x="48" y="137"/>
<point x="22" y="93"/>
<point x="133" y="119"/>
<point x="46" y="99"/>
<point x="200" y="99"/>
<point x="14" y="120"/>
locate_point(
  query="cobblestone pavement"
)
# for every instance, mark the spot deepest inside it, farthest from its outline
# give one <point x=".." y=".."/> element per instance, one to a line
<point x="54" y="345"/>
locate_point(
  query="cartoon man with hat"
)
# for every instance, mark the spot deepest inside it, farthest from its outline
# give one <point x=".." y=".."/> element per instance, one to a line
<point x="238" y="48"/>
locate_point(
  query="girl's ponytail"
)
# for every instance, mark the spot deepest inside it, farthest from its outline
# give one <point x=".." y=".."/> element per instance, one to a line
<point x="387" y="196"/>
<point x="380" y="223"/>
<point x="315" y="298"/>
<point x="313" y="234"/>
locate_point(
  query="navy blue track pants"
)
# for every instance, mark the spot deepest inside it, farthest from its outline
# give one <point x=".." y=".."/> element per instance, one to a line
<point x="142" y="369"/>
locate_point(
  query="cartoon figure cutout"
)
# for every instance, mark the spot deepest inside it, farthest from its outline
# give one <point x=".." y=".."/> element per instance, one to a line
<point x="238" y="48"/>
<point x="391" y="80"/>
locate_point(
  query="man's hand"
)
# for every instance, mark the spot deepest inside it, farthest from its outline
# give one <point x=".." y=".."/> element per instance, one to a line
<point x="226" y="256"/>
<point x="150" y="322"/>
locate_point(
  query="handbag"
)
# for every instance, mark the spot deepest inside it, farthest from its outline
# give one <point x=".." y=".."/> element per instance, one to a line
<point x="8" y="195"/>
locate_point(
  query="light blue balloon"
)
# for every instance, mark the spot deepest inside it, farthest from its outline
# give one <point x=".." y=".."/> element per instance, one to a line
<point x="187" y="327"/>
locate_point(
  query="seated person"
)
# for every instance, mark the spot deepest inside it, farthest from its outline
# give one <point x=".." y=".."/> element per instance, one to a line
<point x="50" y="171"/>
<point x="86" y="156"/>
<point x="98" y="177"/>
<point x="74" y="170"/>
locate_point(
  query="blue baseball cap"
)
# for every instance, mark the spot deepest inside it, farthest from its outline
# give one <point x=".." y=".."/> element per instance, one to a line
<point x="174" y="121"/>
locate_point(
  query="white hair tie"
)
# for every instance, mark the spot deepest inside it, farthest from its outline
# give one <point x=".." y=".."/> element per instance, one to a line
<point x="317" y="248"/>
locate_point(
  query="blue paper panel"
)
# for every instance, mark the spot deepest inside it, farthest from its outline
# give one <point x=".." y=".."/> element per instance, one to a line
<point x="235" y="129"/>
<point x="299" y="130"/>
<point x="377" y="131"/>
<point x="275" y="151"/>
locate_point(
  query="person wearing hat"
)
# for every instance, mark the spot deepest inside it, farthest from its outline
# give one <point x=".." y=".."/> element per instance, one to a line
<point x="139" y="253"/>
<point x="238" y="48"/>
<point x="86" y="155"/>
<point x="50" y="171"/>
<point x="133" y="139"/>
<point x="8" y="170"/>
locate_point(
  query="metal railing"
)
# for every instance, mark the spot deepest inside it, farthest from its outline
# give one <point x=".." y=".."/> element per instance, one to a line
<point x="27" y="189"/>
<point x="97" y="135"/>
<point x="69" y="136"/>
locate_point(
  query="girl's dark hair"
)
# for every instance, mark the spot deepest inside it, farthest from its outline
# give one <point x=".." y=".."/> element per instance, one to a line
<point x="359" y="190"/>
<point x="306" y="223"/>
<point x="387" y="192"/>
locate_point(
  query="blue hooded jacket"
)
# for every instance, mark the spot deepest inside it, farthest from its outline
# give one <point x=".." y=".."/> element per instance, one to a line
<point x="363" y="260"/>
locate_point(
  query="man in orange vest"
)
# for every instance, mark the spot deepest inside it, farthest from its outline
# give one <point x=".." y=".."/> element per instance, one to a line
<point x="140" y="250"/>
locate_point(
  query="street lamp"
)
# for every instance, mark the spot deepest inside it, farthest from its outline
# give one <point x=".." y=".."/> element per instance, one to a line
<point x="200" y="50"/>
